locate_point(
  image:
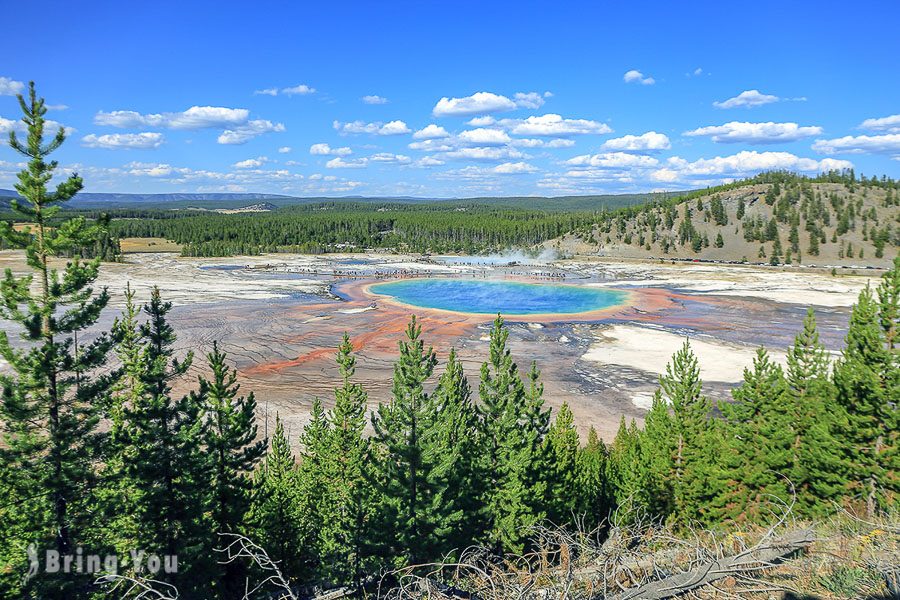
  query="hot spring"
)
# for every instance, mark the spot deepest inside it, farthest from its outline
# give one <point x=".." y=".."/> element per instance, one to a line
<point x="505" y="297"/>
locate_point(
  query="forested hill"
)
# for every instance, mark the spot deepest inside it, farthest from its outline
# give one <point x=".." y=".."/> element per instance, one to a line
<point x="835" y="219"/>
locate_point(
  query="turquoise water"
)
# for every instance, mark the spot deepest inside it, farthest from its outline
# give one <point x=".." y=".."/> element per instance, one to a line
<point x="505" y="297"/>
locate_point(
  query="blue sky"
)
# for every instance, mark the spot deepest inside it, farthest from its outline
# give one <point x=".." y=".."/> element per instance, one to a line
<point x="456" y="99"/>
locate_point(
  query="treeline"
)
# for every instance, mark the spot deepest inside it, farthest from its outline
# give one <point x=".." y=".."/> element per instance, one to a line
<point x="347" y="226"/>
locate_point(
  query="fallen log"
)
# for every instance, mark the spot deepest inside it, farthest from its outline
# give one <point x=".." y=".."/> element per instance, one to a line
<point x="762" y="555"/>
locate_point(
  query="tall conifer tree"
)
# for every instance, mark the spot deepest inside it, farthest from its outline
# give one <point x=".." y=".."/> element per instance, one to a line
<point x="52" y="397"/>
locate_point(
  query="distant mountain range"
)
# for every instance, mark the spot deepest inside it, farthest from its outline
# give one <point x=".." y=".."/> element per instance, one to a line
<point x="232" y="201"/>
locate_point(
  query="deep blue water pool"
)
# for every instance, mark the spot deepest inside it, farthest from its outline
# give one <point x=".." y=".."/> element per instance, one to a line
<point x="505" y="297"/>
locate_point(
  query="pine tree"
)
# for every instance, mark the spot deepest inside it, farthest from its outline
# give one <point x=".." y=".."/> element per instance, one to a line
<point x="345" y="495"/>
<point x="455" y="456"/>
<point x="759" y="441"/>
<point x="275" y="516"/>
<point x="166" y="471"/>
<point x="657" y="448"/>
<point x="53" y="394"/>
<point x="507" y="439"/>
<point x="626" y="474"/>
<point x="868" y="385"/>
<point x="405" y="481"/>
<point x="592" y="498"/>
<point x="562" y="470"/>
<point x="229" y="440"/>
<point x="693" y="435"/>
<point x="815" y="420"/>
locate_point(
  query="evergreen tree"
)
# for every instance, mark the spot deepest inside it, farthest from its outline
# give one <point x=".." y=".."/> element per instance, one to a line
<point x="815" y="420"/>
<point x="868" y="386"/>
<point x="562" y="469"/>
<point x="625" y="473"/>
<point x="166" y="471"/>
<point x="592" y="500"/>
<point x="345" y="495"/>
<point x="52" y="394"/>
<point x="657" y="447"/>
<point x="410" y="493"/>
<point x="275" y="516"/>
<point x="229" y="440"/>
<point x="508" y="441"/>
<point x="694" y="436"/>
<point x="759" y="441"/>
<point x="455" y="456"/>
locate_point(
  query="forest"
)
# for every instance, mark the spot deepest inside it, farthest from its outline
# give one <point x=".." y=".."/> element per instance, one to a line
<point x="101" y="457"/>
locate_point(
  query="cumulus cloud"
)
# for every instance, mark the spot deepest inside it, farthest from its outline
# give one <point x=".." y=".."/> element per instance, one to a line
<point x="613" y="160"/>
<point x="635" y="76"/>
<point x="433" y="145"/>
<point x="747" y="99"/>
<point x="647" y="142"/>
<point x="477" y="103"/>
<point x="747" y="162"/>
<point x="388" y="157"/>
<point x="484" y="121"/>
<point x="10" y="87"/>
<point x="889" y="124"/>
<point x="553" y="125"/>
<point x="429" y="161"/>
<point x="431" y="132"/>
<point x="484" y="137"/>
<point x="284" y="149"/>
<point x="390" y="128"/>
<point x="532" y="100"/>
<point x="373" y="99"/>
<point x="755" y="133"/>
<point x="514" y="168"/>
<point x="488" y="154"/>
<point x="196" y="117"/>
<point x="861" y="144"/>
<point x="248" y="131"/>
<point x="326" y="150"/>
<point x="115" y="141"/>
<point x="298" y="90"/>
<point x="251" y="163"/>
<point x="340" y="163"/>
<point x="266" y="92"/>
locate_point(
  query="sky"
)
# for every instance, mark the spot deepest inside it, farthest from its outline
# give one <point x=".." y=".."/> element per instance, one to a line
<point x="440" y="99"/>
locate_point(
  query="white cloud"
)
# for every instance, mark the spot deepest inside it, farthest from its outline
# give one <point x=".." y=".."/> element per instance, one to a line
<point x="113" y="141"/>
<point x="266" y="92"/>
<point x="635" y="76"/>
<point x="298" y="90"/>
<point x="695" y="73"/>
<point x="552" y="125"/>
<point x="755" y="133"/>
<point x="485" y="154"/>
<point x="196" y="117"/>
<point x="388" y="157"/>
<point x="527" y="142"/>
<point x="747" y="99"/>
<point x="284" y="149"/>
<point x="613" y="160"/>
<point x="248" y="131"/>
<point x="889" y="124"/>
<point x="373" y="99"/>
<point x="861" y="144"/>
<point x="435" y="145"/>
<point x="326" y="150"/>
<point x="484" y="121"/>
<point x="647" y="142"/>
<point x="56" y="106"/>
<point x="251" y="163"/>
<point x="479" y="102"/>
<point x="560" y="143"/>
<point x="531" y="100"/>
<point x="484" y="137"/>
<point x="340" y="163"/>
<point x="746" y="163"/>
<point x="429" y="161"/>
<point x="391" y="128"/>
<point x="514" y="168"/>
<point x="10" y="87"/>
<point x="431" y="132"/>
